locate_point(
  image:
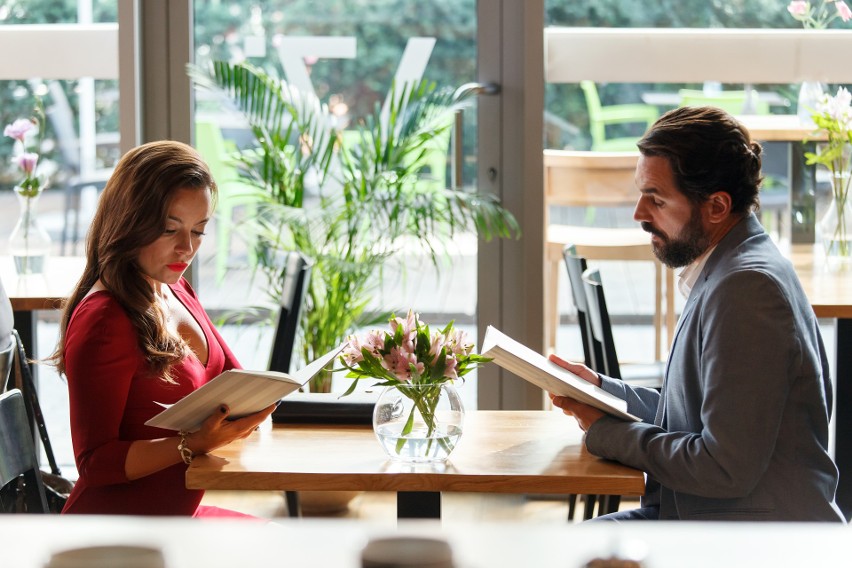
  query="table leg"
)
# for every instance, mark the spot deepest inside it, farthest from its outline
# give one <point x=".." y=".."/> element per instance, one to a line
<point x="418" y="505"/>
<point x="292" y="500"/>
<point x="843" y="416"/>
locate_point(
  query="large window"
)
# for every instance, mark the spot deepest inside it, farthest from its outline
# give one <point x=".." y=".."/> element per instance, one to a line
<point x="68" y="60"/>
<point x="748" y="57"/>
<point x="349" y="55"/>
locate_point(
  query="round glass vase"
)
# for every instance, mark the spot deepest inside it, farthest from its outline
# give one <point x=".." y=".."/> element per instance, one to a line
<point x="29" y="244"/>
<point x="419" y="423"/>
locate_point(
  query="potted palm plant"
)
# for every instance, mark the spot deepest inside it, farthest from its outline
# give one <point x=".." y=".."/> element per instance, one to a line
<point x="368" y="200"/>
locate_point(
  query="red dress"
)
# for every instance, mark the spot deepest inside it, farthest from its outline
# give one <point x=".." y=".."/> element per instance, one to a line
<point x="112" y="393"/>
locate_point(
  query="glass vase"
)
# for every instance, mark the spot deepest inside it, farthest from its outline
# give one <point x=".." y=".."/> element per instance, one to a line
<point x="809" y="95"/>
<point x="836" y="224"/>
<point x="29" y="244"/>
<point x="419" y="423"/>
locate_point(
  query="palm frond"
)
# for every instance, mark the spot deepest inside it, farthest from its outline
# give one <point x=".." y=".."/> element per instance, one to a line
<point x="372" y="199"/>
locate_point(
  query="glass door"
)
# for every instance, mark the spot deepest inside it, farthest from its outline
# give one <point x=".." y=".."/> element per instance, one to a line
<point x="353" y="57"/>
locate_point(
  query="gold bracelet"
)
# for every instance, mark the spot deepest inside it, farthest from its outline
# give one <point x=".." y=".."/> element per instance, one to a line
<point x="185" y="453"/>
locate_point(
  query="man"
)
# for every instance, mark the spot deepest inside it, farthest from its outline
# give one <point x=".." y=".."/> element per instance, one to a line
<point x="740" y="429"/>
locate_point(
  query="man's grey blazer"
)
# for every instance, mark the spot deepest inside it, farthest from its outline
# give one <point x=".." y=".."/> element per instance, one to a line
<point x="740" y="429"/>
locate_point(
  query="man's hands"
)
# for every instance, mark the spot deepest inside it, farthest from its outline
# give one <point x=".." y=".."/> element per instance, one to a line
<point x="586" y="415"/>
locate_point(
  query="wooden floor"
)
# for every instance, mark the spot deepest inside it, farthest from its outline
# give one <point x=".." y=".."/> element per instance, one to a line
<point x="381" y="506"/>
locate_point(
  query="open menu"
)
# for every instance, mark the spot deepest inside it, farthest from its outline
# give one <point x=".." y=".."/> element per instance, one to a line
<point x="245" y="392"/>
<point x="537" y="369"/>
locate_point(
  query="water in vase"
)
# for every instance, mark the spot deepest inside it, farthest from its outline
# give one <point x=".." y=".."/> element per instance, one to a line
<point x="418" y="446"/>
<point x="28" y="264"/>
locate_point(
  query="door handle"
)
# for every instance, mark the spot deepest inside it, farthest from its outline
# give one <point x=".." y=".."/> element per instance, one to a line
<point x="476" y="89"/>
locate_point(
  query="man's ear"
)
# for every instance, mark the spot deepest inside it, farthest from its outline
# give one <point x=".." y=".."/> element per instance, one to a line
<point x="718" y="206"/>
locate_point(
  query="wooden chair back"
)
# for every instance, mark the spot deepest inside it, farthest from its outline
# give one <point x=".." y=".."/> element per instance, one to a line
<point x="581" y="179"/>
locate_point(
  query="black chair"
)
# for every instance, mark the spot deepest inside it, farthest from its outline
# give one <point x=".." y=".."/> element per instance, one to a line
<point x="636" y="374"/>
<point x="596" y="330"/>
<point x="601" y="328"/>
<point x="600" y="323"/>
<point x="294" y="284"/>
<point x="600" y="355"/>
<point x="18" y="456"/>
<point x="576" y="265"/>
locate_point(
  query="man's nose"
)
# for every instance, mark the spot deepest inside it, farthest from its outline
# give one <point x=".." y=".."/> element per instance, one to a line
<point x="640" y="213"/>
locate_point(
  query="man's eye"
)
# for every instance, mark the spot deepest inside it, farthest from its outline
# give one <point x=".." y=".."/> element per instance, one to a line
<point x="658" y="203"/>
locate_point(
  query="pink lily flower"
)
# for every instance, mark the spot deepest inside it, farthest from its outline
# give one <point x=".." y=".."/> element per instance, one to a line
<point x="843" y="11"/>
<point x="19" y="129"/>
<point x="27" y="162"/>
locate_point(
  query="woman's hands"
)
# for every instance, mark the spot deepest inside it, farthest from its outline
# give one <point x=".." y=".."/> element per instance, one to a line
<point x="145" y="457"/>
<point x="217" y="431"/>
<point x="586" y="415"/>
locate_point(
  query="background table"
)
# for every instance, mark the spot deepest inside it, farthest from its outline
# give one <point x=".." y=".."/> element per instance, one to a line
<point x="500" y="452"/>
<point x="830" y="295"/>
<point x="34" y="292"/>
<point x="800" y="177"/>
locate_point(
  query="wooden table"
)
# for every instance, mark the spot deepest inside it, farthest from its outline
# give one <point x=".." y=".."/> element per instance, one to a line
<point x="780" y="128"/>
<point x="830" y="295"/>
<point x="34" y="292"/>
<point x="500" y="452"/>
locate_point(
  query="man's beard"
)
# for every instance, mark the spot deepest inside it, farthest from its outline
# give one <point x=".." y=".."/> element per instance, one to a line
<point x="682" y="249"/>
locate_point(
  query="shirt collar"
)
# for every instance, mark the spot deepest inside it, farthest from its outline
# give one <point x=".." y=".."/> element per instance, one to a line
<point x="689" y="275"/>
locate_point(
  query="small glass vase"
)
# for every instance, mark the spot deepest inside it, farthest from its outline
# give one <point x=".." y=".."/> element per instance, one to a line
<point x="419" y="423"/>
<point x="809" y="95"/>
<point x="29" y="244"/>
<point x="836" y="230"/>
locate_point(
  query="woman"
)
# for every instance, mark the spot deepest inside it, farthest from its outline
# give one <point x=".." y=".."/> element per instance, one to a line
<point x="134" y="335"/>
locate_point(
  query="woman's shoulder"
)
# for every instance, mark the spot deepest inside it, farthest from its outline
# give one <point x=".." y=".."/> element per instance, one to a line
<point x="100" y="310"/>
<point x="100" y="332"/>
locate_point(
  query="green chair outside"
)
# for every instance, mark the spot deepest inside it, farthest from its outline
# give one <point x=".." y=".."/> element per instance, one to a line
<point x="233" y="190"/>
<point x="731" y="102"/>
<point x="602" y="116"/>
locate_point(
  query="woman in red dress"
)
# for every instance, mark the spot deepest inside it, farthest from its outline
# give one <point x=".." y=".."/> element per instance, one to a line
<point x="134" y="336"/>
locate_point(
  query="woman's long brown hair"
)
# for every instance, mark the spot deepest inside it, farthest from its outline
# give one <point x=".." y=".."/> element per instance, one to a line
<point x="131" y="214"/>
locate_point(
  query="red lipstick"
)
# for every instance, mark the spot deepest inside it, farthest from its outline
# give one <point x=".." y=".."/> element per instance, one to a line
<point x="177" y="266"/>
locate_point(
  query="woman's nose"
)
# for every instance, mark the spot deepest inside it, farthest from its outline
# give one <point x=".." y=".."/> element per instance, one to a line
<point x="184" y="243"/>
